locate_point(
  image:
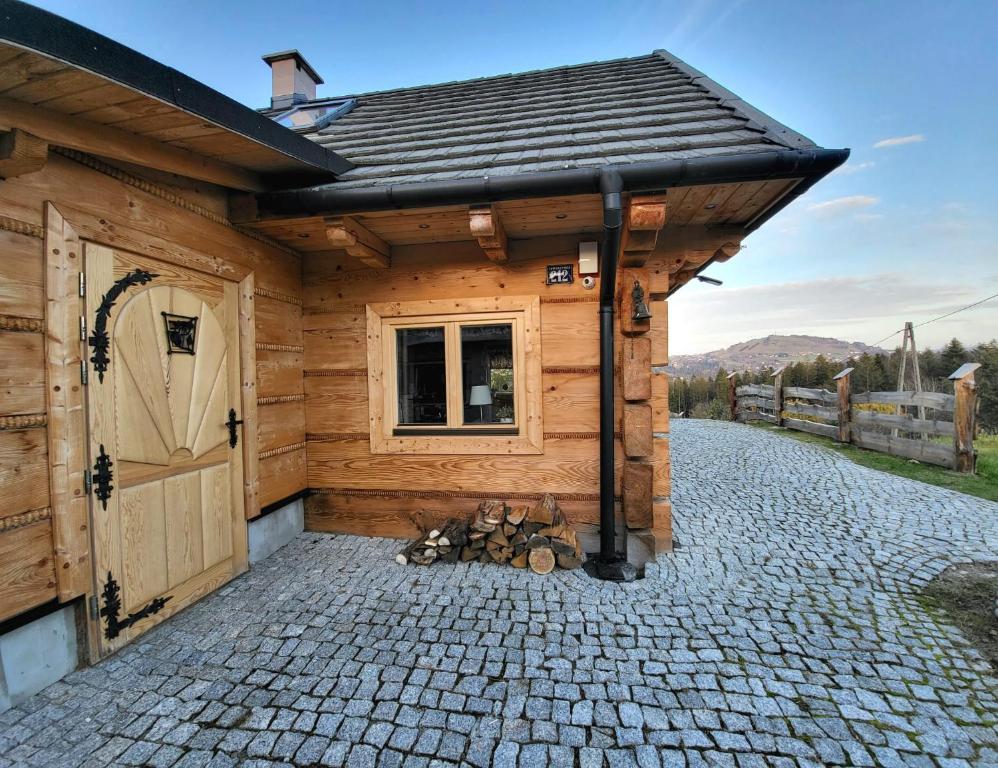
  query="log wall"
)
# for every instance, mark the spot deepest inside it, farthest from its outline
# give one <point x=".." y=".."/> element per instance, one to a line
<point x="152" y="218"/>
<point x="353" y="490"/>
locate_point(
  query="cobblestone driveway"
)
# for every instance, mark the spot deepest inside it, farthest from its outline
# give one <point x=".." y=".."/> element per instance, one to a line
<point x="783" y="631"/>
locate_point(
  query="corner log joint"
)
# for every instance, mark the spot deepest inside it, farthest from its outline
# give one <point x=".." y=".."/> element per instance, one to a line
<point x="358" y="241"/>
<point x="486" y="227"/>
<point x="21" y="153"/>
<point x="643" y="221"/>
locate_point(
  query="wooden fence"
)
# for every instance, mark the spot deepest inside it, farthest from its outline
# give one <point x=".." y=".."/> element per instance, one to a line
<point x="932" y="427"/>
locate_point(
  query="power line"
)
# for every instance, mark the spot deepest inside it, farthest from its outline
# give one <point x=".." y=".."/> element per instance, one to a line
<point x="941" y="317"/>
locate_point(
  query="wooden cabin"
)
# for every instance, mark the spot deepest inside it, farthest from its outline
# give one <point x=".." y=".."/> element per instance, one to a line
<point x="383" y="307"/>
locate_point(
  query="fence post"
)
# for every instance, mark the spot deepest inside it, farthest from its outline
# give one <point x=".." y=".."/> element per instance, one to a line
<point x="845" y="412"/>
<point x="732" y="397"/>
<point x="778" y="395"/>
<point x="965" y="392"/>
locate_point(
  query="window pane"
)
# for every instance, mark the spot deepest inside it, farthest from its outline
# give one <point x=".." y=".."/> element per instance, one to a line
<point x="487" y="368"/>
<point x="422" y="376"/>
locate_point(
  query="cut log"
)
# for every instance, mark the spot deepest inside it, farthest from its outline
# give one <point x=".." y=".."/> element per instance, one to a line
<point x="561" y="547"/>
<point x="541" y="560"/>
<point x="568" y="562"/>
<point x="537" y="541"/>
<point x="520" y="560"/>
<point x="405" y="556"/>
<point x="545" y="511"/>
<point x="509" y="530"/>
<point x="499" y="537"/>
<point x="468" y="554"/>
<point x="515" y="515"/>
<point x="552" y="531"/>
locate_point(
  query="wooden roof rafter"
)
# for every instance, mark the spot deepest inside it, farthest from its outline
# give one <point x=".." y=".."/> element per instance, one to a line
<point x="358" y="241"/>
<point x="487" y="228"/>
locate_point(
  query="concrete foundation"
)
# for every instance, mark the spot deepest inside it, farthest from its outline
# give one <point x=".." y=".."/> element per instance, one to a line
<point x="36" y="655"/>
<point x="269" y="533"/>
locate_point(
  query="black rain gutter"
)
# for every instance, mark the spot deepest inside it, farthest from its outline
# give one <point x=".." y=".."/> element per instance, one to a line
<point x="652" y="176"/>
<point x="46" y="33"/>
<point x="610" y="182"/>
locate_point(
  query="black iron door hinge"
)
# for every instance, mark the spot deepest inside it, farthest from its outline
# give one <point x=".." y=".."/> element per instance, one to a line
<point x="102" y="477"/>
<point x="111" y="595"/>
<point x="232" y="423"/>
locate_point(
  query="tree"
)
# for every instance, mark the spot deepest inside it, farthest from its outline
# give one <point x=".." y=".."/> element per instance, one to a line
<point x="953" y="356"/>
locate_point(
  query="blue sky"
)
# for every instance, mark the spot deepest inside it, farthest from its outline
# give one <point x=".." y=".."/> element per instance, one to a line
<point x="907" y="231"/>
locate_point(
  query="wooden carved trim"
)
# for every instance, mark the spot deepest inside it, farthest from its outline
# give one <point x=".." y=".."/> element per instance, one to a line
<point x="282" y="449"/>
<point x="278" y="296"/>
<point x="309" y="373"/>
<point x="19" y="227"/>
<point x="23" y="422"/>
<point x="165" y="194"/>
<point x="25" y="518"/>
<point x="391" y="493"/>
<point x="570" y="299"/>
<point x="328" y="437"/>
<point x="279" y="347"/>
<point x="571" y="369"/>
<point x="23" y="324"/>
<point x="275" y="399"/>
<point x="577" y="435"/>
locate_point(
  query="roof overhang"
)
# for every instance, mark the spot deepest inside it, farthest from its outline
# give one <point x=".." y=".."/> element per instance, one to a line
<point x="65" y="61"/>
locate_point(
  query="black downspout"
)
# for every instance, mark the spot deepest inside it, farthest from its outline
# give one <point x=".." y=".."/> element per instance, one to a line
<point x="609" y="566"/>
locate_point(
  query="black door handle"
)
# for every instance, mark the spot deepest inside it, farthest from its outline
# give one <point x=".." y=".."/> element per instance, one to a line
<point x="232" y="423"/>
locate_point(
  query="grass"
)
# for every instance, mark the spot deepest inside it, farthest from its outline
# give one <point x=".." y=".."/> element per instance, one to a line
<point x="983" y="484"/>
<point x="967" y="595"/>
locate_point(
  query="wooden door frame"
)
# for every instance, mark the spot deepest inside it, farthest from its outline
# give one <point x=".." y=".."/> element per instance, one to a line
<point x="67" y="419"/>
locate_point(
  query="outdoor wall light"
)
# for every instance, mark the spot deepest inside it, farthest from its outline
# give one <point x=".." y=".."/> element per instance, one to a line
<point x="711" y="280"/>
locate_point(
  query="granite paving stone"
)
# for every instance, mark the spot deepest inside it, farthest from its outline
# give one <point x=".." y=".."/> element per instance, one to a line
<point x="784" y="629"/>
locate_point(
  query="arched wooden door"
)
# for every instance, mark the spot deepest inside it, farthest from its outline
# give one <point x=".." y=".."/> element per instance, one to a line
<point x="163" y="402"/>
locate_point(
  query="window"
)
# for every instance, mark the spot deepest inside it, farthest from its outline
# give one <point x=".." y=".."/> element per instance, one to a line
<point x="455" y="376"/>
<point x="314" y="115"/>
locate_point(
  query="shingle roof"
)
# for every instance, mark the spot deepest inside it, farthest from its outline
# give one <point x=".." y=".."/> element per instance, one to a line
<point x="652" y="107"/>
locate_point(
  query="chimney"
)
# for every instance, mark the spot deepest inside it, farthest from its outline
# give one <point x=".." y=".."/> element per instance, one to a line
<point x="294" y="80"/>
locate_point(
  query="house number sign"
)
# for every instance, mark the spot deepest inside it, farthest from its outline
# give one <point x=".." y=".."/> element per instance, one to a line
<point x="560" y="274"/>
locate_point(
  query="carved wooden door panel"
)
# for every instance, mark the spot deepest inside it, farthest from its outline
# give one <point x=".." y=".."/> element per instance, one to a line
<point x="163" y="401"/>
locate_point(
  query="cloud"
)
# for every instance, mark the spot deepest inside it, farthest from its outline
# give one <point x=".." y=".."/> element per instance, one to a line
<point x="841" y="205"/>
<point x="850" y="168"/>
<point x="897" y="141"/>
<point x="853" y="308"/>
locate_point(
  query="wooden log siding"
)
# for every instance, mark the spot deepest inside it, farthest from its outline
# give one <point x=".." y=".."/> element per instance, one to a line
<point x="341" y="466"/>
<point x="152" y="220"/>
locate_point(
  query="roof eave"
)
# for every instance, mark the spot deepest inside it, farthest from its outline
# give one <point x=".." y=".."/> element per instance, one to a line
<point x="45" y="33"/>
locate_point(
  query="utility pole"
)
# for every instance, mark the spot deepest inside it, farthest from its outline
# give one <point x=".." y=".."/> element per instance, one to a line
<point x="909" y="339"/>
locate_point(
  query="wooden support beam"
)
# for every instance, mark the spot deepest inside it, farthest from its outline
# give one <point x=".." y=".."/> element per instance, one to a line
<point x="778" y="394"/>
<point x="726" y="251"/>
<point x="845" y="409"/>
<point x="357" y="240"/>
<point x="964" y="412"/>
<point x="644" y="218"/>
<point x="732" y="396"/>
<point x="637" y="430"/>
<point x="633" y="287"/>
<point x="487" y="228"/>
<point x="21" y="153"/>
<point x="106" y="141"/>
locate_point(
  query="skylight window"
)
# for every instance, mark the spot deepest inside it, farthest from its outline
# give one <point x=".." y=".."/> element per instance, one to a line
<point x="314" y="115"/>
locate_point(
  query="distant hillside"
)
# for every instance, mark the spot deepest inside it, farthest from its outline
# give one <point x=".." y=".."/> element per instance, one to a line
<point x="770" y="351"/>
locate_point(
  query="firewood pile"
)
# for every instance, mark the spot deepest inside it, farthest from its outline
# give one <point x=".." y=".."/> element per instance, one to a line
<point x="538" y="537"/>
